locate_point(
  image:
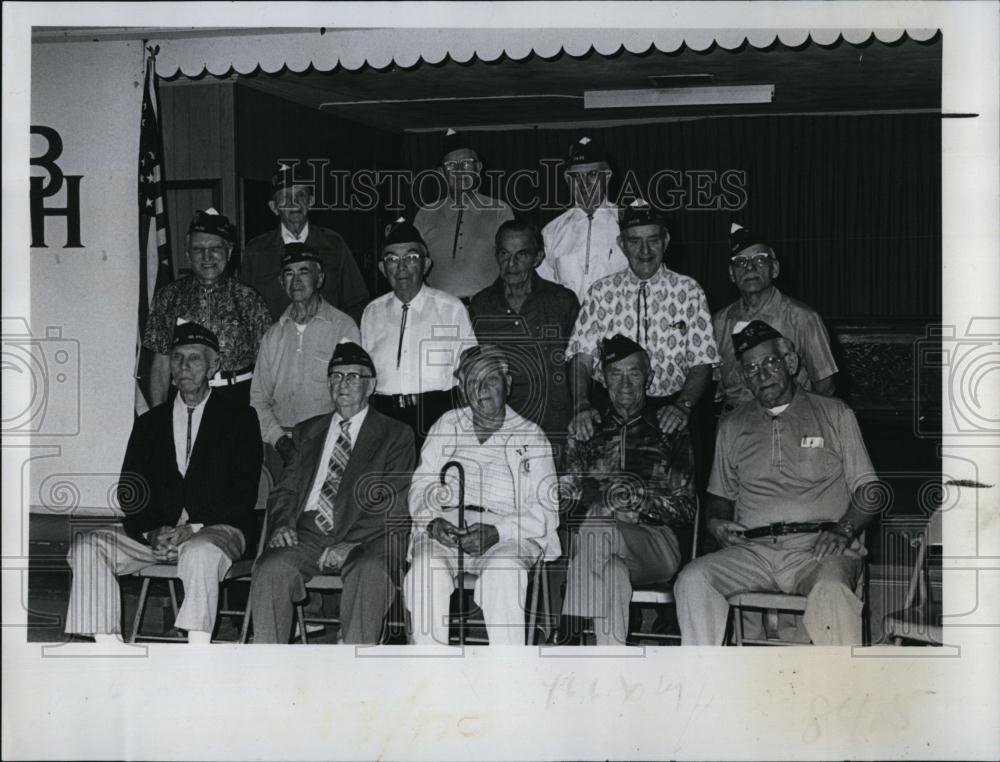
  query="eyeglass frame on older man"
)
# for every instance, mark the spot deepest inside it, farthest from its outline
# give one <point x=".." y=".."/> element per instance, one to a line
<point x="758" y="261"/>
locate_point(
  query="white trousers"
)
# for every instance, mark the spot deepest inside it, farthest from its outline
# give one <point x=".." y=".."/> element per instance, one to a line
<point x="98" y="556"/>
<point x="501" y="587"/>
<point x="833" y="612"/>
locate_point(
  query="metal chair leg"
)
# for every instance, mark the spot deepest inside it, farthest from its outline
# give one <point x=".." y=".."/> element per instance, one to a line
<point x="530" y="636"/>
<point x="300" y="613"/>
<point x="173" y="598"/>
<point x="137" y="622"/>
<point x="245" y="626"/>
<point x="738" y="625"/>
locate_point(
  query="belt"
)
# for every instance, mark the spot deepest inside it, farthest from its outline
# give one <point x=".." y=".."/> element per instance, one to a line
<point x="790" y="527"/>
<point x="231" y="377"/>
<point x="403" y="401"/>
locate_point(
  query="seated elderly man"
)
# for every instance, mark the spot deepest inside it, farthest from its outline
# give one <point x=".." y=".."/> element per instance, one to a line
<point x="188" y="490"/>
<point x="632" y="486"/>
<point x="341" y="507"/>
<point x="787" y="499"/>
<point x="511" y="509"/>
<point x="289" y="383"/>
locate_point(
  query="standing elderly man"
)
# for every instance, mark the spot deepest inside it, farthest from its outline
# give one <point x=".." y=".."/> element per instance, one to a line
<point x="415" y="335"/>
<point x="581" y="244"/>
<point x="341" y="507"/>
<point x="664" y="311"/>
<point x="531" y="319"/>
<point x="290" y="381"/>
<point x="231" y="310"/>
<point x="291" y="199"/>
<point x="188" y="489"/>
<point x="459" y="228"/>
<point x="633" y="487"/>
<point x="787" y="500"/>
<point x="753" y="266"/>
<point x="511" y="507"/>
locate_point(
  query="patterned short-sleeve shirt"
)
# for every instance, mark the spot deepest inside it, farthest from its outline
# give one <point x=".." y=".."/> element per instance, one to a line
<point x="666" y="314"/>
<point x="233" y="311"/>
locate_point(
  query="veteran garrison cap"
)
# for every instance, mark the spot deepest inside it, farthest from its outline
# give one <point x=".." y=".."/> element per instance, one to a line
<point x="756" y="332"/>
<point x="586" y="150"/>
<point x="617" y="348"/>
<point x="402" y="231"/>
<point x="349" y="353"/>
<point x="299" y="252"/>
<point x="455" y="141"/>
<point x="211" y="222"/>
<point x="639" y="212"/>
<point x="480" y="355"/>
<point x="194" y="333"/>
<point x="284" y="177"/>
<point x="741" y="237"/>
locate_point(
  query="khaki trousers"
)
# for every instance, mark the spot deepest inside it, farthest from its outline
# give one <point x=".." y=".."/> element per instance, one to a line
<point x="98" y="556"/>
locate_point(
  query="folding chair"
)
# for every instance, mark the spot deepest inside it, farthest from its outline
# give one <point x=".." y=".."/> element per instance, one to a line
<point x="238" y="572"/>
<point x="772" y="603"/>
<point x="920" y="618"/>
<point x="538" y="597"/>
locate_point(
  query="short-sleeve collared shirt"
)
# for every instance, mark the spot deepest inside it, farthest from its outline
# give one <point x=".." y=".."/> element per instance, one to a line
<point x="582" y="249"/>
<point x="800" y="465"/>
<point x="793" y="320"/>
<point x="671" y="322"/>
<point x="233" y="311"/>
<point x="290" y="381"/>
<point x="534" y="339"/>
<point x="460" y="242"/>
<point x="437" y="330"/>
<point x="635" y="462"/>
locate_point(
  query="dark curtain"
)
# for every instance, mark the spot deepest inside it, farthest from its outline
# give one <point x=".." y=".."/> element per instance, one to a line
<point x="852" y="203"/>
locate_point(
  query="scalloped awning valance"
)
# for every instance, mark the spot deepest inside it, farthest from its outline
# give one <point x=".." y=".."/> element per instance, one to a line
<point x="272" y="50"/>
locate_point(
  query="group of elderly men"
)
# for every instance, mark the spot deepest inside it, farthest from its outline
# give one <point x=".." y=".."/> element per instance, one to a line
<point x="529" y="351"/>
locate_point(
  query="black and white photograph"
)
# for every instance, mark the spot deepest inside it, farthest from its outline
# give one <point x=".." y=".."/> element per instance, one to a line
<point x="501" y="381"/>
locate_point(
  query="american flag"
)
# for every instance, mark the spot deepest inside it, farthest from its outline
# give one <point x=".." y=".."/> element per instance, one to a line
<point x="155" y="264"/>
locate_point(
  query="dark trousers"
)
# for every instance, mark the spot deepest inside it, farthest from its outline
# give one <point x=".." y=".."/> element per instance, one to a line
<point x="419" y="411"/>
<point x="279" y="579"/>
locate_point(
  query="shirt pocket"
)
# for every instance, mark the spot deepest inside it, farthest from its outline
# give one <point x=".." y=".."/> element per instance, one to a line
<point x="817" y="464"/>
<point x="315" y="373"/>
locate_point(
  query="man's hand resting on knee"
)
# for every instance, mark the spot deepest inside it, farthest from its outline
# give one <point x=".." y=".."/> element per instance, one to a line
<point x="478" y="538"/>
<point x="285" y="537"/>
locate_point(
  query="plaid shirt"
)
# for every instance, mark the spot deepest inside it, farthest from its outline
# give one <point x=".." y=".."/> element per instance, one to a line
<point x="631" y="465"/>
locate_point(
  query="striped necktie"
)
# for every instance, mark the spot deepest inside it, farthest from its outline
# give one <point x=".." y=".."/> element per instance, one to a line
<point x="334" y="473"/>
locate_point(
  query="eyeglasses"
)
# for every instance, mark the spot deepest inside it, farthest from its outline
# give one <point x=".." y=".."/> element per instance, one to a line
<point x="392" y="260"/>
<point x="769" y="364"/>
<point x="465" y="164"/>
<point x="215" y="251"/>
<point x="756" y="261"/>
<point x="351" y="379"/>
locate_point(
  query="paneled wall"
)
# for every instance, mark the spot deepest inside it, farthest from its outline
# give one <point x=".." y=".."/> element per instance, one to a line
<point x="199" y="154"/>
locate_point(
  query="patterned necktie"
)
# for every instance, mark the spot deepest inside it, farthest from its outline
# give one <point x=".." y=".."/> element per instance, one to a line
<point x="334" y="473"/>
<point x="642" y="314"/>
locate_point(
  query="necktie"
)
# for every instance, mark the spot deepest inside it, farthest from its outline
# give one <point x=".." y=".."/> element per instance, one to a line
<point x="334" y="473"/>
<point x="642" y="314"/>
<point x="187" y="449"/>
<point x="402" y="330"/>
<point x="458" y="232"/>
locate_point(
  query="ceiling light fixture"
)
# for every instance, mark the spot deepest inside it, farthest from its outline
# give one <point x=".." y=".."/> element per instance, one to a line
<point x="679" y="96"/>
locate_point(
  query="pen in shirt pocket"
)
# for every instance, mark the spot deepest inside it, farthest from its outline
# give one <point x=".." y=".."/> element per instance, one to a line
<point x="610" y="252"/>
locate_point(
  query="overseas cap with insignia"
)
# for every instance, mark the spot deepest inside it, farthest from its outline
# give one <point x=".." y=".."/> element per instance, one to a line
<point x="742" y="237"/>
<point x="194" y="333"/>
<point x="455" y="141"/>
<point x="617" y="348"/>
<point x="480" y="355"/>
<point x="299" y="252"/>
<point x="284" y="178"/>
<point x="756" y="332"/>
<point x="585" y="151"/>
<point x="402" y="231"/>
<point x="211" y="222"/>
<point x="639" y="212"/>
<point x="349" y="353"/>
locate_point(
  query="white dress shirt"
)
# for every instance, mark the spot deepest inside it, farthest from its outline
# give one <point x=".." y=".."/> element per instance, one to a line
<point x="331" y="439"/>
<point x="580" y="250"/>
<point x="287" y="236"/>
<point x="437" y="330"/>
<point x="180" y="420"/>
